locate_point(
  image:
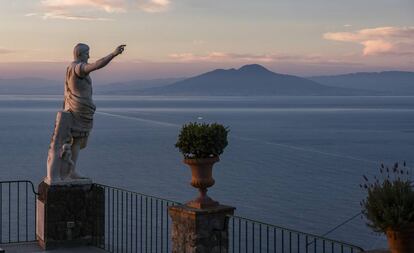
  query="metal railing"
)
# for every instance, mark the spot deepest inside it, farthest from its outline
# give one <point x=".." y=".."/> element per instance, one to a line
<point x="17" y="211"/>
<point x="249" y="236"/>
<point x="135" y="222"/>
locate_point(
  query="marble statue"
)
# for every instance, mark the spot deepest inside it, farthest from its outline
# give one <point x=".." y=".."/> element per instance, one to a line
<point x="67" y="170"/>
<point x="74" y="123"/>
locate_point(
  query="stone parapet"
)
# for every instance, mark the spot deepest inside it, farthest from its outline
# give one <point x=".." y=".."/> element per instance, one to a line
<point x="70" y="215"/>
<point x="200" y="230"/>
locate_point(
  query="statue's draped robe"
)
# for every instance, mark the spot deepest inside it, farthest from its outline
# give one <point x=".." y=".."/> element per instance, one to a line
<point x="78" y="101"/>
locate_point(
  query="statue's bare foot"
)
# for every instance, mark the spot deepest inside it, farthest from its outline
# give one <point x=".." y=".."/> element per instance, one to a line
<point x="75" y="175"/>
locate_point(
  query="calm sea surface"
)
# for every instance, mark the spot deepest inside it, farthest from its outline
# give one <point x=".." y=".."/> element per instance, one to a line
<point x="291" y="161"/>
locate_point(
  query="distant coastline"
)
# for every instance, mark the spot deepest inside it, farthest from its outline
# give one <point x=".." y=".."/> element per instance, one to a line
<point x="249" y="80"/>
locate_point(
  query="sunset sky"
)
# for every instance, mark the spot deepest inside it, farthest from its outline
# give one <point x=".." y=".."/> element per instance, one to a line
<point x="171" y="38"/>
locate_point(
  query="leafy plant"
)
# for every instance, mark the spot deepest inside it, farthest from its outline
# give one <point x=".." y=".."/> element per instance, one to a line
<point x="201" y="140"/>
<point x="390" y="200"/>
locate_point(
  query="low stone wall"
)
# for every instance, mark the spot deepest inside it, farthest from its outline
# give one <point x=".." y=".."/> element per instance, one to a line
<point x="200" y="230"/>
<point x="70" y="215"/>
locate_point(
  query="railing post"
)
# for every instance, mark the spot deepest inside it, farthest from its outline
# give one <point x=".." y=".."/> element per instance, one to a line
<point x="197" y="230"/>
<point x="70" y="215"/>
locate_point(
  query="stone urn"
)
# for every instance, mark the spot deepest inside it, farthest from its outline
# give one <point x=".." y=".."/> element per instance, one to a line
<point x="202" y="178"/>
<point x="401" y="241"/>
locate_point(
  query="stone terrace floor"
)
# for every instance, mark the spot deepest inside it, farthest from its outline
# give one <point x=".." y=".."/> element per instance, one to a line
<point x="32" y="247"/>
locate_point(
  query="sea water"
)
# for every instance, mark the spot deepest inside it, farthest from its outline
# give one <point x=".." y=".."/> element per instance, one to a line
<point x="296" y="162"/>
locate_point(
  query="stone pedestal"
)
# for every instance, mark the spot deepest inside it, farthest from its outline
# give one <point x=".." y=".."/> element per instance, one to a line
<point x="70" y="215"/>
<point x="200" y="230"/>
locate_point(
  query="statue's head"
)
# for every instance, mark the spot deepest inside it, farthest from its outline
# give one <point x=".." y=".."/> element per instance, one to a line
<point x="81" y="52"/>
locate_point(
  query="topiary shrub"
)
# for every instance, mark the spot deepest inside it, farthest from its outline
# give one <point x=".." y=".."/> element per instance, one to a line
<point x="201" y="140"/>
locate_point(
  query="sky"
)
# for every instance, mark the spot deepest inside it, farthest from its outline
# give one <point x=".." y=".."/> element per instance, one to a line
<point x="178" y="38"/>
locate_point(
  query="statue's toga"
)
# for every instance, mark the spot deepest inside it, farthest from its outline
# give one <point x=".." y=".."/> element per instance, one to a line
<point x="74" y="124"/>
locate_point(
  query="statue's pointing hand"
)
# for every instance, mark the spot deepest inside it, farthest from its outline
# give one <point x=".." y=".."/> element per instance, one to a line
<point x="119" y="50"/>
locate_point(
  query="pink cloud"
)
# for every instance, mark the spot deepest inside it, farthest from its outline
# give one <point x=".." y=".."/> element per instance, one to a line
<point x="76" y="9"/>
<point x="153" y="6"/>
<point x="106" y="5"/>
<point x="380" y="40"/>
<point x="372" y="47"/>
<point x="66" y="16"/>
<point x="5" y="51"/>
<point x="219" y="57"/>
<point x="110" y="6"/>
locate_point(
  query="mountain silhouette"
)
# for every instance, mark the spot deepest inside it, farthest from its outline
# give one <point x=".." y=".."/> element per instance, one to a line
<point x="132" y="87"/>
<point x="388" y="82"/>
<point x="30" y="86"/>
<point x="251" y="79"/>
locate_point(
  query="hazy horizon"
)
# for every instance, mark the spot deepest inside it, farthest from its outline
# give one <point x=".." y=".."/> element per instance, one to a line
<point x="123" y="72"/>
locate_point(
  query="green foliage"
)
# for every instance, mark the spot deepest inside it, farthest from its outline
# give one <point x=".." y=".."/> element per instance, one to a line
<point x="198" y="140"/>
<point x="390" y="200"/>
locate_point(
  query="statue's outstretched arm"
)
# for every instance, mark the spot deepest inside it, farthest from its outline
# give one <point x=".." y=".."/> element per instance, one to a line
<point x="88" y="68"/>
